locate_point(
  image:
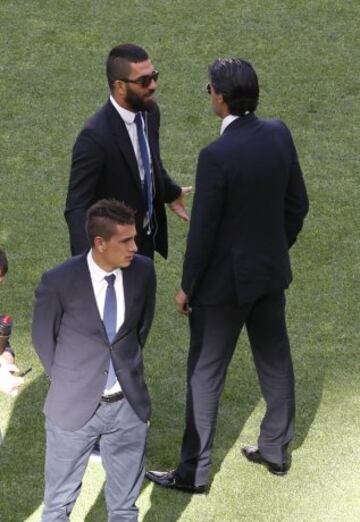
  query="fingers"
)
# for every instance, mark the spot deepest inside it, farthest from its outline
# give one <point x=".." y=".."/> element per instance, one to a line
<point x="182" y="310"/>
<point x="12" y="368"/>
<point x="181" y="301"/>
<point x="186" y="190"/>
<point x="179" y="209"/>
<point x="181" y="212"/>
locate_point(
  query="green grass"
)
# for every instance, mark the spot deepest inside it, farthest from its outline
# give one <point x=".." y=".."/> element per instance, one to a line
<point x="52" y="78"/>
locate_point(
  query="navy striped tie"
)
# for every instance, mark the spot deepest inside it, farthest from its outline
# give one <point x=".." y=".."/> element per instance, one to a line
<point x="146" y="163"/>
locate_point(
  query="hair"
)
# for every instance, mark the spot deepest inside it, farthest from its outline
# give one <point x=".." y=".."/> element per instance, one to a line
<point x="119" y="60"/>
<point x="4" y="265"/>
<point x="237" y="81"/>
<point x="104" y="215"/>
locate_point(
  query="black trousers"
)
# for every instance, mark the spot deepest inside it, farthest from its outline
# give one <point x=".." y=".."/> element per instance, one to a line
<point x="214" y="334"/>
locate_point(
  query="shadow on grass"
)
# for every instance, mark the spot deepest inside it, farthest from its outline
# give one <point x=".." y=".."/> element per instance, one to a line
<point x="98" y="511"/>
<point x="240" y="398"/>
<point x="22" y="455"/>
<point x="309" y="387"/>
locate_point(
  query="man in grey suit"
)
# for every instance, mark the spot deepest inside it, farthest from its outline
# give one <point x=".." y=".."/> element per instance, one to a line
<point x="91" y="320"/>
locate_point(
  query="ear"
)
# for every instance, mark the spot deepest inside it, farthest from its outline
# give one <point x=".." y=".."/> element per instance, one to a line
<point x="99" y="244"/>
<point x="119" y="89"/>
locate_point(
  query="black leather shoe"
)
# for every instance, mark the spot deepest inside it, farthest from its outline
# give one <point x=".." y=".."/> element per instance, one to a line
<point x="169" y="479"/>
<point x="253" y="455"/>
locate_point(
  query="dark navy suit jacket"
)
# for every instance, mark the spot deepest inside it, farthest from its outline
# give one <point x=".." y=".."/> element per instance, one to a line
<point x="249" y="205"/>
<point x="104" y="166"/>
<point x="71" y="342"/>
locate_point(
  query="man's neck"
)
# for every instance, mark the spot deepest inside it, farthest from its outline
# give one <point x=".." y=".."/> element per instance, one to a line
<point x="101" y="263"/>
<point x="121" y="103"/>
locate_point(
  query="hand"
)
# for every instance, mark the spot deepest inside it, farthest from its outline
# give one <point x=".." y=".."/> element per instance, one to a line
<point x="182" y="303"/>
<point x="178" y="205"/>
<point x="7" y="357"/>
<point x="9" y="383"/>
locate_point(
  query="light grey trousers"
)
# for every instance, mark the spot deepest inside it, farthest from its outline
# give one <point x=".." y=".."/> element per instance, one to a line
<point x="122" y="447"/>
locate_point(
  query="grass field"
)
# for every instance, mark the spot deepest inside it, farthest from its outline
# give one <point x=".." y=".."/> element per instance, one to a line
<point x="307" y="58"/>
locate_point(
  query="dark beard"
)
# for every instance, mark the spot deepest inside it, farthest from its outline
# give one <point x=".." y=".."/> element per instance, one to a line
<point x="136" y="103"/>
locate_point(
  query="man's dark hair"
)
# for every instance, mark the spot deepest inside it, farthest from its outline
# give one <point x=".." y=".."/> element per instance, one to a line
<point x="104" y="215"/>
<point x="119" y="60"/>
<point x="237" y="81"/>
<point x="3" y="262"/>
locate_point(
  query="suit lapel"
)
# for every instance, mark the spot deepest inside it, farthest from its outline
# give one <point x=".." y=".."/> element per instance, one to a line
<point x="90" y="309"/>
<point x="128" y="284"/>
<point x="123" y="141"/>
<point x="154" y="157"/>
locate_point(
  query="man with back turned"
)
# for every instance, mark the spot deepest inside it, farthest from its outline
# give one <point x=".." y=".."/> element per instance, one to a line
<point x="249" y="206"/>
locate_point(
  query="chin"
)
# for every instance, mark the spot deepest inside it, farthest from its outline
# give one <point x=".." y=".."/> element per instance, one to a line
<point x="126" y="263"/>
<point x="148" y="105"/>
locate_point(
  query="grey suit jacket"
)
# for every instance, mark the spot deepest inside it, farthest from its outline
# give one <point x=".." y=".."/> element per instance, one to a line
<point x="71" y="342"/>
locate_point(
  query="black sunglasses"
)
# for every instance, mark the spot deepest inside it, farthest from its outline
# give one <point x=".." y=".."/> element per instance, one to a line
<point x="208" y="88"/>
<point x="144" y="81"/>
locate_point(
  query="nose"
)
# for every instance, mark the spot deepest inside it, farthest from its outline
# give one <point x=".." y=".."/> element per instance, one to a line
<point x="133" y="246"/>
<point x="153" y="84"/>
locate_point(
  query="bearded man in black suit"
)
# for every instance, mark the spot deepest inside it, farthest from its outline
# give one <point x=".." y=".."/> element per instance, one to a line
<point x="249" y="206"/>
<point x="117" y="155"/>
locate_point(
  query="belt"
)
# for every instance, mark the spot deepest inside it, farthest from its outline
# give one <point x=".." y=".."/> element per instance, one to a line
<point x="114" y="397"/>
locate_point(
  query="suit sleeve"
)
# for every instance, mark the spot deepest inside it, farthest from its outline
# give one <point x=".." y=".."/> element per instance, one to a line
<point x="171" y="190"/>
<point x="86" y="168"/>
<point x="149" y="306"/>
<point x="296" y="199"/>
<point x="47" y="316"/>
<point x="206" y="215"/>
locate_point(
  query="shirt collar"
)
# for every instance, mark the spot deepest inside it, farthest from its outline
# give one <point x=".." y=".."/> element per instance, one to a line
<point x="127" y="116"/>
<point x="96" y="272"/>
<point x="229" y="119"/>
<point x="226" y="121"/>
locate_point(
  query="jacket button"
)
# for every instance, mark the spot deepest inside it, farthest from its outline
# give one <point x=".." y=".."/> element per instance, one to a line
<point x="105" y="372"/>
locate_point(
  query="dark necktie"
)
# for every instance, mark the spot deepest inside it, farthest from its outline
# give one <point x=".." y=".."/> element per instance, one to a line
<point x="146" y="163"/>
<point x="109" y="320"/>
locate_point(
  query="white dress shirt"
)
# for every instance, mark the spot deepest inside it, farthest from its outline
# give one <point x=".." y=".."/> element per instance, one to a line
<point x="129" y="119"/>
<point x="130" y="124"/>
<point x="226" y="121"/>
<point x="100" y="285"/>
<point x="229" y="119"/>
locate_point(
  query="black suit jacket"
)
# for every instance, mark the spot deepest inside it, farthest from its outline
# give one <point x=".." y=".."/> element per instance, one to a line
<point x="71" y="342"/>
<point x="104" y="166"/>
<point x="249" y="205"/>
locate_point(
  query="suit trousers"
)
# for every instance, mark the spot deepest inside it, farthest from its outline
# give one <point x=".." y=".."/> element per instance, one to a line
<point x="214" y="333"/>
<point x="122" y="447"/>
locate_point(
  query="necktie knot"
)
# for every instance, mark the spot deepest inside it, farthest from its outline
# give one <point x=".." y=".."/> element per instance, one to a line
<point x="110" y="279"/>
